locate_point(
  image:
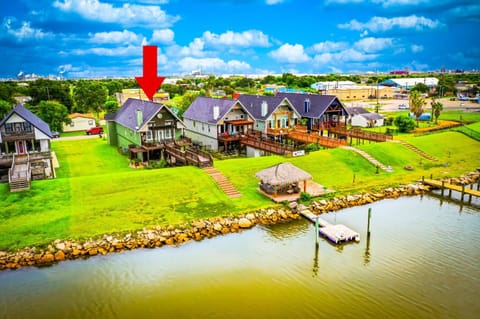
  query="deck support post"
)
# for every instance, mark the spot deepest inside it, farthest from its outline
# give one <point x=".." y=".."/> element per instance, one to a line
<point x="304" y="186"/>
<point x="463" y="192"/>
<point x="443" y="186"/>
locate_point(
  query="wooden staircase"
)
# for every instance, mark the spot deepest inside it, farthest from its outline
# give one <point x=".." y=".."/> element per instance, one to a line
<point x="225" y="185"/>
<point x="369" y="158"/>
<point x="418" y="151"/>
<point x="19" y="175"/>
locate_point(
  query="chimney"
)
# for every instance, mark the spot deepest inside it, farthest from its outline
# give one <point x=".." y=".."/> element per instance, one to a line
<point x="139" y="118"/>
<point x="216" y="112"/>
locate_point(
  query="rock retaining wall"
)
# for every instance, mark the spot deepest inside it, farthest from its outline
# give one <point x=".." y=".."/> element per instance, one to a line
<point x="158" y="236"/>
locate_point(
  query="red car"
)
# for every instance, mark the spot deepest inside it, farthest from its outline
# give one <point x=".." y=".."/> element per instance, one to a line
<point x="95" y="130"/>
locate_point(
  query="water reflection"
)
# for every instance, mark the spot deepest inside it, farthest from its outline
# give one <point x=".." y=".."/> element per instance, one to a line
<point x="287" y="230"/>
<point x="315" y="262"/>
<point x="366" y="255"/>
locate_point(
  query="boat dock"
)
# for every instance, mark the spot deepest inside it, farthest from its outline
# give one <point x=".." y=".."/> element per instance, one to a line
<point x="335" y="233"/>
<point x="459" y="188"/>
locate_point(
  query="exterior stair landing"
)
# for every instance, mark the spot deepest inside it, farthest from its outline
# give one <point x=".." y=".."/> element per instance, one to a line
<point x="225" y="185"/>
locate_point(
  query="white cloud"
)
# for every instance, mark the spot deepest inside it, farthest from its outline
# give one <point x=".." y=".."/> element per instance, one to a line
<point x="212" y="64"/>
<point x="374" y="44"/>
<point x="117" y="51"/>
<point x="124" y="36"/>
<point x="195" y="48"/>
<point x="128" y="14"/>
<point x="290" y="54"/>
<point x="416" y="48"/>
<point x="378" y="24"/>
<point x="349" y="55"/>
<point x="164" y="36"/>
<point x="247" y="38"/>
<point x="329" y="46"/>
<point x="24" y="31"/>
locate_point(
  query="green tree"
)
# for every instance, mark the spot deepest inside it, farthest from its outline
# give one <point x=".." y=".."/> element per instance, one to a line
<point x="417" y="102"/>
<point x="186" y="100"/>
<point x="5" y="107"/>
<point x="89" y="96"/>
<point x="7" y="91"/>
<point x="53" y="113"/>
<point x="437" y="108"/>
<point x="49" y="90"/>
<point x="404" y="123"/>
<point x="111" y="105"/>
<point x="420" y="87"/>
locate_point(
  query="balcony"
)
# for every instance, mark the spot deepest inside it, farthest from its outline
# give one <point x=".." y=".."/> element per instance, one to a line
<point x="17" y="135"/>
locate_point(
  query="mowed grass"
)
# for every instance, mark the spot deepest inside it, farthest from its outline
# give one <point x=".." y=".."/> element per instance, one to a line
<point x="96" y="193"/>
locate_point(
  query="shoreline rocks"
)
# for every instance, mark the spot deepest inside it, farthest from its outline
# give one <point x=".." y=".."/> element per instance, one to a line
<point x="158" y="236"/>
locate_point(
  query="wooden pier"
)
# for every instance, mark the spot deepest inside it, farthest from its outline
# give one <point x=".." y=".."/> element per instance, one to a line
<point x="335" y="233"/>
<point x="442" y="185"/>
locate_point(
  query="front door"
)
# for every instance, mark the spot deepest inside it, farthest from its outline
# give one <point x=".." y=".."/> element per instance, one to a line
<point x="21" y="147"/>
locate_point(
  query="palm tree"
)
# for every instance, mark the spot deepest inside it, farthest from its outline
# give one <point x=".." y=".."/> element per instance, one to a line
<point x="437" y="107"/>
<point x="417" y="103"/>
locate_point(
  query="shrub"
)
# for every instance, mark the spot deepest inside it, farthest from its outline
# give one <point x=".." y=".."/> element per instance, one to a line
<point x="305" y="197"/>
<point x="404" y="123"/>
<point x="312" y="147"/>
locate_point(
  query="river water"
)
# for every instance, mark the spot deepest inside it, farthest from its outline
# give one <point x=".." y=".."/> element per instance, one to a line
<point x="422" y="260"/>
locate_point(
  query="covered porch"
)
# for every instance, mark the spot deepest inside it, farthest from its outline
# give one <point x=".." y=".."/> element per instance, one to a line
<point x="231" y="132"/>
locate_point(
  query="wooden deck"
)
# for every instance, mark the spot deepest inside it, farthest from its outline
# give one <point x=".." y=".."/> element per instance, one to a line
<point x="341" y="130"/>
<point x="459" y="188"/>
<point x="314" y="189"/>
<point x="335" y="233"/>
<point x="190" y="156"/>
<point x="313" y="138"/>
<point x="267" y="146"/>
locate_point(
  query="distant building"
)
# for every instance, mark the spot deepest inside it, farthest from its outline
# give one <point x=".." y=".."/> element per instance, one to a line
<point x="126" y="94"/>
<point x="407" y="83"/>
<point x="358" y="116"/>
<point x="79" y="122"/>
<point x="324" y="86"/>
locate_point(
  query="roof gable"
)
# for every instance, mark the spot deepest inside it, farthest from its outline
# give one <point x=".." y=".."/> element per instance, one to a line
<point x="203" y="107"/>
<point x="253" y="104"/>
<point x="127" y="114"/>
<point x="318" y="103"/>
<point x="28" y="116"/>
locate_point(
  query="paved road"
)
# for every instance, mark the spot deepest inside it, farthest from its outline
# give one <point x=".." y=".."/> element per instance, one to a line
<point x="79" y="137"/>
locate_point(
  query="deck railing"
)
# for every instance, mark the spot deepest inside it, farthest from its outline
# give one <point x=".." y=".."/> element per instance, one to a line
<point x="271" y="147"/>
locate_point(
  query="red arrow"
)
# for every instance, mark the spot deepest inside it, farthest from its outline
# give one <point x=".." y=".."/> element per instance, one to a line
<point x="149" y="82"/>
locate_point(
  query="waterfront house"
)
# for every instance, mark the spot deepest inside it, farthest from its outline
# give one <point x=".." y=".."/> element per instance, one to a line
<point x="143" y="128"/>
<point x="79" y="122"/>
<point x="273" y="115"/>
<point x="318" y="111"/>
<point x="358" y="116"/>
<point x="24" y="149"/>
<point x="217" y="123"/>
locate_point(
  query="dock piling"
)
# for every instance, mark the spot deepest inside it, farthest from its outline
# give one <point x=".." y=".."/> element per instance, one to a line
<point x="368" y="224"/>
<point x="316" y="231"/>
<point x="463" y="192"/>
<point x="443" y="187"/>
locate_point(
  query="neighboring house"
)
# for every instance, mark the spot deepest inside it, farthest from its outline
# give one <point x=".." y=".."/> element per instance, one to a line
<point x="24" y="148"/>
<point x="273" y="115"/>
<point x="358" y="116"/>
<point x="79" y="122"/>
<point x="318" y="111"/>
<point x="126" y="94"/>
<point x="217" y="123"/>
<point x="143" y="128"/>
<point x="407" y="83"/>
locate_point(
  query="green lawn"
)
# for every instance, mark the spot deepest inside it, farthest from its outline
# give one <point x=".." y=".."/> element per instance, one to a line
<point x="97" y="193"/>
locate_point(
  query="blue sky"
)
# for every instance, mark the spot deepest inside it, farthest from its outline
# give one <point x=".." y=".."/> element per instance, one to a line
<point x="97" y="38"/>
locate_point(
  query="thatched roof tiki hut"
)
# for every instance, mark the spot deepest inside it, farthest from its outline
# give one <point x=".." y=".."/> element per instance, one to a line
<point x="281" y="175"/>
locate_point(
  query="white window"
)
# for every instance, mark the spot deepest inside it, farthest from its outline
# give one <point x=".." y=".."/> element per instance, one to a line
<point x="149" y="135"/>
<point x="90" y="122"/>
<point x="168" y="134"/>
<point x="72" y="124"/>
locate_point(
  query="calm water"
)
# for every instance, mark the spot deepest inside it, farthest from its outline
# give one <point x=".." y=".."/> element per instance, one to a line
<point x="422" y="261"/>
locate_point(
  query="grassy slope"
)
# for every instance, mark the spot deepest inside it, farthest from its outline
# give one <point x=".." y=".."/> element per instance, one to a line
<point x="96" y="192"/>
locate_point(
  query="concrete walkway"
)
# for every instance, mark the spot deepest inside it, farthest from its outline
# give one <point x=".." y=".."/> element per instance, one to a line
<point x="225" y="185"/>
<point x="369" y="158"/>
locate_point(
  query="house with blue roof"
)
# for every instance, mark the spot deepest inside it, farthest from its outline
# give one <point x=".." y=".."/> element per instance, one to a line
<point x="24" y="149"/>
<point x="143" y="128"/>
<point x="217" y="123"/>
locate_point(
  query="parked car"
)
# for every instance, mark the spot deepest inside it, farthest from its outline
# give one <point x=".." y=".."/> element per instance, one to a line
<point x="55" y="134"/>
<point x="402" y="107"/>
<point x="95" y="130"/>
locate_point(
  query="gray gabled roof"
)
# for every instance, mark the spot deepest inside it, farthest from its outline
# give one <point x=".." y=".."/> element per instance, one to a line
<point x="253" y="104"/>
<point x="362" y="112"/>
<point x="127" y="114"/>
<point x="318" y="103"/>
<point x="202" y="109"/>
<point x="28" y="116"/>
